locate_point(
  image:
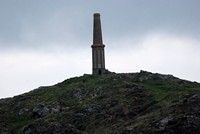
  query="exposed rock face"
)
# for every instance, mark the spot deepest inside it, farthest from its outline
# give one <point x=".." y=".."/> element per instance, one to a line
<point x="144" y="75"/>
<point x="52" y="128"/>
<point x="188" y="124"/>
<point x="164" y="122"/>
<point x="40" y="111"/>
<point x="23" y="111"/>
<point x="114" y="103"/>
<point x="184" y="117"/>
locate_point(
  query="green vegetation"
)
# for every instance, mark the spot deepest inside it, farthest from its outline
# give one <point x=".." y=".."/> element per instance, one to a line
<point x="112" y="103"/>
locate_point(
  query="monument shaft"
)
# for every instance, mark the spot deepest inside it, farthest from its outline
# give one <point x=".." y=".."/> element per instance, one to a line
<point x="98" y="56"/>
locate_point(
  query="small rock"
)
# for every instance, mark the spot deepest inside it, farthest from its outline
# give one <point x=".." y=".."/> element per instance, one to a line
<point x="130" y="128"/>
<point x="194" y="98"/>
<point x="57" y="109"/>
<point x="40" y="111"/>
<point x="92" y="109"/>
<point x="23" y="111"/>
<point x="164" y="122"/>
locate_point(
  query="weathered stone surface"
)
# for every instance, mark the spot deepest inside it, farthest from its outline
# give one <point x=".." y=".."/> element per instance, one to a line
<point x="23" y="111"/>
<point x="185" y="124"/>
<point x="56" y="109"/>
<point x="98" y="56"/>
<point x="40" y="111"/>
<point x="113" y="103"/>
<point x="51" y="128"/>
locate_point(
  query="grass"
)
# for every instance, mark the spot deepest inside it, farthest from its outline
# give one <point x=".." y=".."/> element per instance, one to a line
<point x="101" y="91"/>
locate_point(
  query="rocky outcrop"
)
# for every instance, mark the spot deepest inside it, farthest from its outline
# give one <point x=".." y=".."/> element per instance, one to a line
<point x="125" y="103"/>
<point x="184" y="117"/>
<point x="39" y="127"/>
<point x="40" y="111"/>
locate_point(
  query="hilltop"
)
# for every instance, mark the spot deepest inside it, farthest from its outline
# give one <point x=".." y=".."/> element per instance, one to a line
<point x="125" y="103"/>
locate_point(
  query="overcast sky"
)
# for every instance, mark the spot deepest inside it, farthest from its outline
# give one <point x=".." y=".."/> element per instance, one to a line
<point x="43" y="42"/>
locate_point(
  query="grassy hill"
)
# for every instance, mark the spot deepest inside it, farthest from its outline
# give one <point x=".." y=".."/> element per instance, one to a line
<point x="126" y="103"/>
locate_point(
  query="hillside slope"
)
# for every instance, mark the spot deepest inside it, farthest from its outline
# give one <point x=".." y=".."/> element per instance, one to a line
<point x="141" y="102"/>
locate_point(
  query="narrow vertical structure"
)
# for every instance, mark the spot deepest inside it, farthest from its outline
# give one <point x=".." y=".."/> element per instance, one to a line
<point x="98" y="57"/>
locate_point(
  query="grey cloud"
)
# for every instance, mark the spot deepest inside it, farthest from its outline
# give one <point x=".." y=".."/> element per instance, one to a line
<point x="44" y="41"/>
<point x="38" y="22"/>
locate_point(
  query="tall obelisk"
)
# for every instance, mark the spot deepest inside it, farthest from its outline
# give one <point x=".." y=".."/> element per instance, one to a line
<point x="98" y="57"/>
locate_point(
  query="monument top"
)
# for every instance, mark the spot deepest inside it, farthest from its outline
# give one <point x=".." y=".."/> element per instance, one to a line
<point x="96" y="14"/>
<point x="97" y="33"/>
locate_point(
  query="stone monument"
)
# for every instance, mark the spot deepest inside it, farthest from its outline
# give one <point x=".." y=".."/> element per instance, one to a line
<point x="98" y="56"/>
